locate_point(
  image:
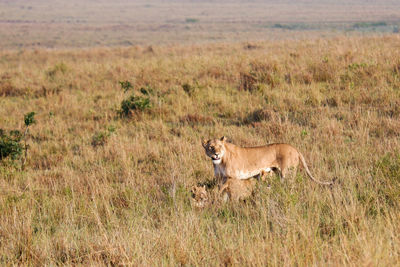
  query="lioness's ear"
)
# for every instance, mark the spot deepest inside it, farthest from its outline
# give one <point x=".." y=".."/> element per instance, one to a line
<point x="204" y="142"/>
<point x="193" y="190"/>
<point x="223" y="139"/>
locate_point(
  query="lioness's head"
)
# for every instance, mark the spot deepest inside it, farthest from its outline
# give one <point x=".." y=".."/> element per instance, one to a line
<point x="215" y="149"/>
<point x="200" y="196"/>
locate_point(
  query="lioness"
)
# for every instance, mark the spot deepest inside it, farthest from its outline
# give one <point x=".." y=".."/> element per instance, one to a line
<point x="237" y="162"/>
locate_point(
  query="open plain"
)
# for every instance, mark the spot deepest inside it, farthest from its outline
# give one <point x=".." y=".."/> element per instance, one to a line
<point x="100" y="187"/>
<point x="116" y="147"/>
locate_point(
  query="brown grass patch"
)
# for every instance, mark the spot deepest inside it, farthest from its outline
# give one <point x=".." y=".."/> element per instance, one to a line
<point x="196" y="119"/>
<point x="87" y="199"/>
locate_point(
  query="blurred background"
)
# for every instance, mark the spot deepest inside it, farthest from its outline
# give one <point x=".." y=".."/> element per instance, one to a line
<point x="89" y="23"/>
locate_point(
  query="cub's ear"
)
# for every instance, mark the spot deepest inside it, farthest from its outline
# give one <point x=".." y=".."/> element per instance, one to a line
<point x="194" y="189"/>
<point x="223" y="139"/>
<point x="204" y="142"/>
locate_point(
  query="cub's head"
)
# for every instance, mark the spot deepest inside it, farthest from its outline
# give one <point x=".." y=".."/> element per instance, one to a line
<point x="200" y="196"/>
<point x="215" y="149"/>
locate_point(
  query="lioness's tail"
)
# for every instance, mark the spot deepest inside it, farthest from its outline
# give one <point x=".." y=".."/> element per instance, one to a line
<point x="303" y="161"/>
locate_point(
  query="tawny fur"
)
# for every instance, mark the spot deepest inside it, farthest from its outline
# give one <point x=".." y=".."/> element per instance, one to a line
<point x="233" y="161"/>
<point x="236" y="189"/>
<point x="233" y="189"/>
<point x="200" y="197"/>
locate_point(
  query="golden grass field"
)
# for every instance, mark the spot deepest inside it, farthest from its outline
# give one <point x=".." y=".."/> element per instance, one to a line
<point x="100" y="188"/>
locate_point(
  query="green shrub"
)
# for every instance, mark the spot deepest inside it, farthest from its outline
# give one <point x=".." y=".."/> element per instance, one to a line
<point x="10" y="145"/>
<point x="134" y="103"/>
<point x="29" y="118"/>
<point x="126" y="85"/>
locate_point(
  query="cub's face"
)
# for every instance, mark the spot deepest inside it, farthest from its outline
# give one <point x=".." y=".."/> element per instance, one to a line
<point x="215" y="149"/>
<point x="199" y="196"/>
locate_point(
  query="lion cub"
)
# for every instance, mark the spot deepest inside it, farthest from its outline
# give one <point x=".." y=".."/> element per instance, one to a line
<point x="200" y="196"/>
<point x="233" y="189"/>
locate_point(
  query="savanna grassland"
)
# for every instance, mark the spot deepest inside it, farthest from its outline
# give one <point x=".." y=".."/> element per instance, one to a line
<point x="105" y="186"/>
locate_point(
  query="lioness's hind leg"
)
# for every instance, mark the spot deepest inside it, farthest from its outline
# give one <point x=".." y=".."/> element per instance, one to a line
<point x="282" y="174"/>
<point x="291" y="171"/>
<point x="286" y="165"/>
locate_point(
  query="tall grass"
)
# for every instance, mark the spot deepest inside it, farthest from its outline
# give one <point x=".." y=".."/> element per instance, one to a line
<point x="87" y="196"/>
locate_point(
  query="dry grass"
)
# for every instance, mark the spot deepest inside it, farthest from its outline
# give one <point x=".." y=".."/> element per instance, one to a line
<point x="125" y="197"/>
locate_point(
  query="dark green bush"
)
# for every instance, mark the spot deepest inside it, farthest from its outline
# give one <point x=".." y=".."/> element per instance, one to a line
<point x="10" y="145"/>
<point x="29" y="118"/>
<point x="126" y="85"/>
<point x="134" y="103"/>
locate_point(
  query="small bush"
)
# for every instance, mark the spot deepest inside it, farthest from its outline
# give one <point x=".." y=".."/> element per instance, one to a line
<point x="134" y="103"/>
<point x="126" y="86"/>
<point x="147" y="90"/>
<point x="29" y="118"/>
<point x="10" y="145"/>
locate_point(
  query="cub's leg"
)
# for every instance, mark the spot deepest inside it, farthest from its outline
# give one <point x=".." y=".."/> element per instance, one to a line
<point x="265" y="173"/>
